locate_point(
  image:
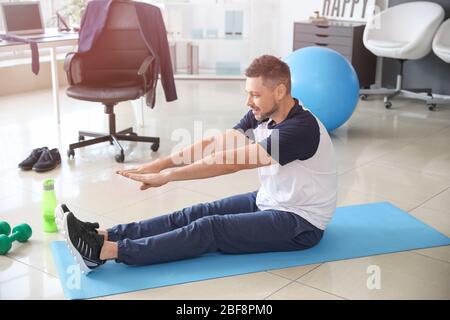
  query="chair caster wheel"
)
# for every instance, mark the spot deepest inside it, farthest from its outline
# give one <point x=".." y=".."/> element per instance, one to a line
<point x="80" y="138"/>
<point x="120" y="157"/>
<point x="155" y="147"/>
<point x="363" y="97"/>
<point x="71" y="153"/>
<point x="388" y="105"/>
<point x="431" y="107"/>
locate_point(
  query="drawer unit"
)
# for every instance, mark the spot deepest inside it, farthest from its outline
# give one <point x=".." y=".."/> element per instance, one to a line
<point x="334" y="30"/>
<point x="323" y="39"/>
<point x="344" y="50"/>
<point x="343" y="37"/>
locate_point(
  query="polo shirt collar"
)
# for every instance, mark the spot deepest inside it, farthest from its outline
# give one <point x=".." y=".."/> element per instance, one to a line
<point x="271" y="124"/>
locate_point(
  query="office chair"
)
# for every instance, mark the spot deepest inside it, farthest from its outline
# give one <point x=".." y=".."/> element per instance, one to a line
<point x="115" y="70"/>
<point x="403" y="32"/>
<point x="441" y="47"/>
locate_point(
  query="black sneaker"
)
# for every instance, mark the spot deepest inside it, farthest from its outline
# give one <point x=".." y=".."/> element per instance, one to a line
<point x="30" y="161"/>
<point x="63" y="210"/>
<point x="48" y="160"/>
<point x="85" y="246"/>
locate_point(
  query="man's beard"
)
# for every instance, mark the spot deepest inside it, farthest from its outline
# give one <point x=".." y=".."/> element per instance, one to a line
<point x="267" y="115"/>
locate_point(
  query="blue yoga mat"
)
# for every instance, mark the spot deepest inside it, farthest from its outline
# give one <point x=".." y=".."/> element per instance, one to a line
<point x="355" y="231"/>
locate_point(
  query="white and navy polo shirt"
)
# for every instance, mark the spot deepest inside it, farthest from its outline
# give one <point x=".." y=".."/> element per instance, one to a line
<point x="304" y="181"/>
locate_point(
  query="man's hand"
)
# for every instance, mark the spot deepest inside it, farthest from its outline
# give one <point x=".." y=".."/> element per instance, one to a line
<point x="152" y="167"/>
<point x="149" y="180"/>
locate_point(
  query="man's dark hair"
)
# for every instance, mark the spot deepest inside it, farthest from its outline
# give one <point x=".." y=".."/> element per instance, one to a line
<point x="272" y="70"/>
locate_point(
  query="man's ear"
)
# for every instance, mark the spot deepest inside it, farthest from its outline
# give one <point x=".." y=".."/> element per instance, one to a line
<point x="280" y="91"/>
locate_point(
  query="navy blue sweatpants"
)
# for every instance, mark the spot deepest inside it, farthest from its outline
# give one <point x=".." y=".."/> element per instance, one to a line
<point x="230" y="225"/>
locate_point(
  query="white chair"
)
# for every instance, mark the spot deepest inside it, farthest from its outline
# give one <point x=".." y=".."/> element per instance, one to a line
<point x="403" y="32"/>
<point x="441" y="47"/>
<point x="441" y="42"/>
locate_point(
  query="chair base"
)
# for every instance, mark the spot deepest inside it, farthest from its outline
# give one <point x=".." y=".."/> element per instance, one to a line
<point x="433" y="101"/>
<point x="423" y="94"/>
<point x="112" y="137"/>
<point x="389" y="94"/>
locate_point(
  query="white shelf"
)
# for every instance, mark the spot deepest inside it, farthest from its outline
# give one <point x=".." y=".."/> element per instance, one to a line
<point x="206" y="76"/>
<point x="205" y="24"/>
<point x="207" y="39"/>
<point x="234" y="4"/>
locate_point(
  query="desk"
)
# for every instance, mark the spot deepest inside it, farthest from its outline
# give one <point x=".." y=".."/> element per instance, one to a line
<point x="66" y="39"/>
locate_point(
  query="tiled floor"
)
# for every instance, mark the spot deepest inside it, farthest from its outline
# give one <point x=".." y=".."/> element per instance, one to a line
<point x="400" y="155"/>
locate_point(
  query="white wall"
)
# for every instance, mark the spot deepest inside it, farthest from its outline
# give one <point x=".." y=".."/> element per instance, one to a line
<point x="291" y="11"/>
<point x="264" y="31"/>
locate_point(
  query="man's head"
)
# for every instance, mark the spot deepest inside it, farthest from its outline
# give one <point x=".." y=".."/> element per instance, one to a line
<point x="268" y="83"/>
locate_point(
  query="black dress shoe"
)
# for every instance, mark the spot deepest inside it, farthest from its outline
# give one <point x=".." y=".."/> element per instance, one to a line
<point x="29" y="162"/>
<point x="48" y="160"/>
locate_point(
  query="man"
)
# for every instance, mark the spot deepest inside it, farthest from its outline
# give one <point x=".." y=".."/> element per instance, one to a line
<point x="297" y="198"/>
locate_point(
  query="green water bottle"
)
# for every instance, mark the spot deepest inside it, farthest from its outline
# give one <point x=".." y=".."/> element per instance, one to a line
<point x="48" y="206"/>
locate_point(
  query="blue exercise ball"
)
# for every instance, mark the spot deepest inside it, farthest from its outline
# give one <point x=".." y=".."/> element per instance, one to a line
<point x="325" y="82"/>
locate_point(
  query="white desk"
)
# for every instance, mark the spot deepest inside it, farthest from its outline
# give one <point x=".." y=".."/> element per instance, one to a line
<point x="66" y="39"/>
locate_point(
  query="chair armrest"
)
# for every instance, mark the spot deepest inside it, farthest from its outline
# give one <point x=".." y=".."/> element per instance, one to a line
<point x="149" y="84"/>
<point x="72" y="67"/>
<point x="145" y="65"/>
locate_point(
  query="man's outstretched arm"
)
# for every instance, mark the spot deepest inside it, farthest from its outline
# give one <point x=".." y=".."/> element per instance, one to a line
<point x="220" y="163"/>
<point x="224" y="162"/>
<point x="230" y="139"/>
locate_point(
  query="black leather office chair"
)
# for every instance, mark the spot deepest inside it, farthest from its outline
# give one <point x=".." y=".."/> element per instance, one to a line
<point x="115" y="70"/>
